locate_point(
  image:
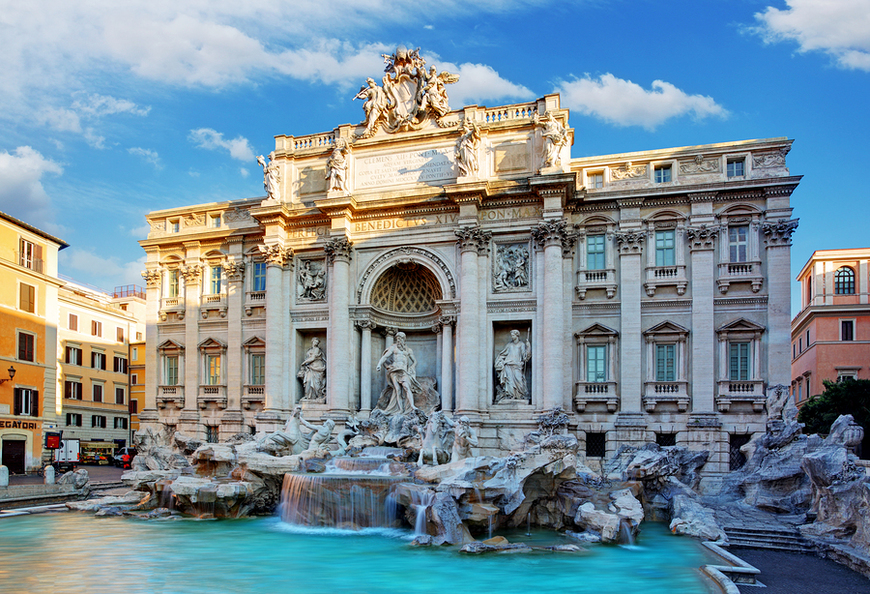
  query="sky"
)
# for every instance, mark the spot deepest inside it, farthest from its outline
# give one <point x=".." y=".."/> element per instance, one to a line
<point x="109" y="110"/>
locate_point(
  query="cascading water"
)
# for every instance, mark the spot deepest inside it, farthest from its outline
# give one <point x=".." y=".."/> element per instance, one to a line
<point x="341" y="501"/>
<point x="421" y="501"/>
<point x="626" y="537"/>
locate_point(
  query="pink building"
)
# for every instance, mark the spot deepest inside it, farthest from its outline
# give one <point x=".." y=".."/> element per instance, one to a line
<point x="830" y="337"/>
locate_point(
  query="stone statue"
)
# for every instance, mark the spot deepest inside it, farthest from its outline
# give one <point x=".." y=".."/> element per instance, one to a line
<point x="555" y="137"/>
<point x="322" y="436"/>
<point x="464" y="439"/>
<point x="271" y="176"/>
<point x="291" y="437"/>
<point x="312" y="282"/>
<point x="511" y="263"/>
<point x="433" y="436"/>
<point x="511" y="367"/>
<point x="336" y="167"/>
<point x="313" y="373"/>
<point x="375" y="103"/>
<point x="466" y="151"/>
<point x="401" y="373"/>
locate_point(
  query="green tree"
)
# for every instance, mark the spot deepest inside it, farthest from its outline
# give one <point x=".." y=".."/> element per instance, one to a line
<point x="847" y="397"/>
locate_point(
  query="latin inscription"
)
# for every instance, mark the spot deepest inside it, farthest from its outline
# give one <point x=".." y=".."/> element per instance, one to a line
<point x="448" y="219"/>
<point x="428" y="167"/>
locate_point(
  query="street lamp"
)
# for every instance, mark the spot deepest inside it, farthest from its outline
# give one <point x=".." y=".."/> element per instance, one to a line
<point x="11" y="371"/>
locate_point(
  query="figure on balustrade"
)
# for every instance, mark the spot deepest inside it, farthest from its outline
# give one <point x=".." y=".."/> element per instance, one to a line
<point x="312" y="372"/>
<point x="510" y="365"/>
<point x="336" y="167"/>
<point x="403" y="392"/>
<point x="271" y="176"/>
<point x="555" y="137"/>
<point x="466" y="150"/>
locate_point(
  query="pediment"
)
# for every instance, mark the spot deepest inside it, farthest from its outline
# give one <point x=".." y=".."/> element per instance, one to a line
<point x="211" y="343"/>
<point x="254" y="341"/>
<point x="667" y="327"/>
<point x="170" y="345"/>
<point x="597" y="330"/>
<point x="741" y="325"/>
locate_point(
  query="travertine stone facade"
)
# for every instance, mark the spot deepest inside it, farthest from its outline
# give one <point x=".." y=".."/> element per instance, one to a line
<point x="652" y="287"/>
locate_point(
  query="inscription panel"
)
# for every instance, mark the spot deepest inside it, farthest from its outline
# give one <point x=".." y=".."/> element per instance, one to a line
<point x="428" y="166"/>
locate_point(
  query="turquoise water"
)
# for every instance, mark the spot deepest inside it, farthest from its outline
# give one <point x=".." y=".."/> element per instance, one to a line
<point x="75" y="552"/>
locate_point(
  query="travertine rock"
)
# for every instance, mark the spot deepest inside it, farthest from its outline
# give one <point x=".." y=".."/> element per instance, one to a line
<point x="691" y="518"/>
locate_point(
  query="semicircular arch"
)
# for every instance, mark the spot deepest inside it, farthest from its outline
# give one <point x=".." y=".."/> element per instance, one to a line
<point x="429" y="260"/>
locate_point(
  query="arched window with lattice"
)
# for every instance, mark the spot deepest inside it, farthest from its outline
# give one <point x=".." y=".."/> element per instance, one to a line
<point x="407" y="288"/>
<point x="844" y="281"/>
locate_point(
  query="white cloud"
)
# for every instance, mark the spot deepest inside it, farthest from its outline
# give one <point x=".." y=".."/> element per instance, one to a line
<point x="625" y="103"/>
<point x="148" y="155"/>
<point x="839" y="28"/>
<point x="244" y="172"/>
<point x="95" y="105"/>
<point x="103" y="272"/>
<point x="239" y="147"/>
<point x="478" y="83"/>
<point x="94" y="139"/>
<point x="22" y="194"/>
<point x="140" y="232"/>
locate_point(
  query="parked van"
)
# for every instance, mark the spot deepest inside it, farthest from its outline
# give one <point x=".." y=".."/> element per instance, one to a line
<point x="67" y="456"/>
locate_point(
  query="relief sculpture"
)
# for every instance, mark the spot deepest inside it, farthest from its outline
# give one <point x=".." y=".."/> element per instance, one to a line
<point x="312" y="281"/>
<point x="511" y="268"/>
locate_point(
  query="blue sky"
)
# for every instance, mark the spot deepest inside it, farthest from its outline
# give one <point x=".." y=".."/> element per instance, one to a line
<point x="111" y="110"/>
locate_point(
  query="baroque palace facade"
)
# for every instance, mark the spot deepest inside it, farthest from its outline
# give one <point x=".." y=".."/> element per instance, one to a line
<point x="649" y="291"/>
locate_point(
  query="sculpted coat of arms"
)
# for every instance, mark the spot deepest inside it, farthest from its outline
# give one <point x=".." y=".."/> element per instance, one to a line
<point x="410" y="96"/>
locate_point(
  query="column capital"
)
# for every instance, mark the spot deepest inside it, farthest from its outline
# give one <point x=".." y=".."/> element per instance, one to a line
<point x="553" y="232"/>
<point x="473" y="238"/>
<point x="152" y="277"/>
<point x="365" y="324"/>
<point x="191" y="273"/>
<point x="630" y="242"/>
<point x="778" y="233"/>
<point x="339" y="248"/>
<point x="702" y="237"/>
<point x="277" y="255"/>
<point x="234" y="269"/>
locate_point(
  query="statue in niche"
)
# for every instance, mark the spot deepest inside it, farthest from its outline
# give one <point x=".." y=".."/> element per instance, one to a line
<point x="464" y="439"/>
<point x="312" y="281"/>
<point x="466" y="151"/>
<point x="555" y="137"/>
<point x="271" y="175"/>
<point x="510" y="364"/>
<point x="404" y="392"/>
<point x="511" y="267"/>
<point x="312" y="372"/>
<point x="336" y="167"/>
<point x="290" y="440"/>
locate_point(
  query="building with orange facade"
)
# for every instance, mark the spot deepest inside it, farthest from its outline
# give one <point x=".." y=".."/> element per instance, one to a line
<point x="29" y="402"/>
<point x="831" y="335"/>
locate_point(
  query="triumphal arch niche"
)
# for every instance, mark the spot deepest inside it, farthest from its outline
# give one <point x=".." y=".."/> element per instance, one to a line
<point x="432" y="257"/>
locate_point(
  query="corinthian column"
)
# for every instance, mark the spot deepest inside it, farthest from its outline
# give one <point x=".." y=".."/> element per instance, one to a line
<point x="338" y="347"/>
<point x="149" y="413"/>
<point x="192" y="274"/>
<point x="551" y="235"/>
<point x="468" y="332"/>
<point x="365" y="372"/>
<point x="777" y="238"/>
<point x="277" y="257"/>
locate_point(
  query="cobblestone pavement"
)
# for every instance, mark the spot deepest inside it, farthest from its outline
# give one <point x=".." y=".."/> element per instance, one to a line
<point x="795" y="573"/>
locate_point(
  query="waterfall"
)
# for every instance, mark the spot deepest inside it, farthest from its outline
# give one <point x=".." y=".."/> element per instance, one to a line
<point x="625" y="535"/>
<point x="421" y="501"/>
<point x="341" y="501"/>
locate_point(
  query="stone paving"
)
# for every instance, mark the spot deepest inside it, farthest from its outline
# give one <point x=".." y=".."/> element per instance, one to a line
<point x="783" y="572"/>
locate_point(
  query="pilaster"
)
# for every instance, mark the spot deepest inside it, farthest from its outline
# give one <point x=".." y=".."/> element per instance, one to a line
<point x="702" y="240"/>
<point x="338" y="254"/>
<point x="277" y="258"/>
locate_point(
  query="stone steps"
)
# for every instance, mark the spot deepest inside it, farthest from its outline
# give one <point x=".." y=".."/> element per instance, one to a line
<point x="780" y="539"/>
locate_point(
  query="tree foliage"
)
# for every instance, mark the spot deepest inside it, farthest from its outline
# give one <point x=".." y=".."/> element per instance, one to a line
<point x="848" y="397"/>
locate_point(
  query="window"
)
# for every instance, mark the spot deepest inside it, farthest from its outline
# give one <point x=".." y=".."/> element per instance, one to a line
<point x="174" y="225"/>
<point x="666" y="363"/>
<point x="134" y="379"/>
<point x="26" y="402"/>
<point x="134" y="407"/>
<point x="73" y="420"/>
<point x="138" y="336"/>
<point x="213" y="370"/>
<point x="735" y="167"/>
<point x="596" y="445"/>
<point x="808" y="339"/>
<point x="666" y="439"/>
<point x="98" y="392"/>
<point x="73" y="355"/>
<point x="73" y="322"/>
<point x="595" y="180"/>
<point x="211" y="434"/>
<point x="215" y="280"/>
<point x="98" y="421"/>
<point x="215" y="221"/>
<point x="258" y="369"/>
<point x="595" y="252"/>
<point x="30" y="255"/>
<point x="170" y="375"/>
<point x="665" y="248"/>
<point x="120" y="422"/>
<point x="98" y="360"/>
<point x="738" y="242"/>
<point x="119" y="334"/>
<point x="793" y="351"/>
<point x="25" y="346"/>
<point x="120" y="365"/>
<point x="847" y="329"/>
<point x="119" y="395"/>
<point x="736" y="457"/>
<point x="96" y="328"/>
<point x="27" y="298"/>
<point x="662" y="174"/>
<point x="134" y="352"/>
<point x="259" y="276"/>
<point x="800" y="345"/>
<point x="596" y="363"/>
<point x="844" y="281"/>
<point x="738" y="366"/>
<point x="172" y="282"/>
<point x="72" y="389"/>
<point x="847" y="376"/>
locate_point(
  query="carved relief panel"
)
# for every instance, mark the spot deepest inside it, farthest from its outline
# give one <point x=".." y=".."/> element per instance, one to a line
<point x="311" y="280"/>
<point x="510" y="267"/>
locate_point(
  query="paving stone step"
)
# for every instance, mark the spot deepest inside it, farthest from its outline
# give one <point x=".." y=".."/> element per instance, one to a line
<point x="768" y="538"/>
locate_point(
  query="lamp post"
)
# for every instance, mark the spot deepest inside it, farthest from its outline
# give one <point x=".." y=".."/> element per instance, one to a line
<point x="11" y="371"/>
